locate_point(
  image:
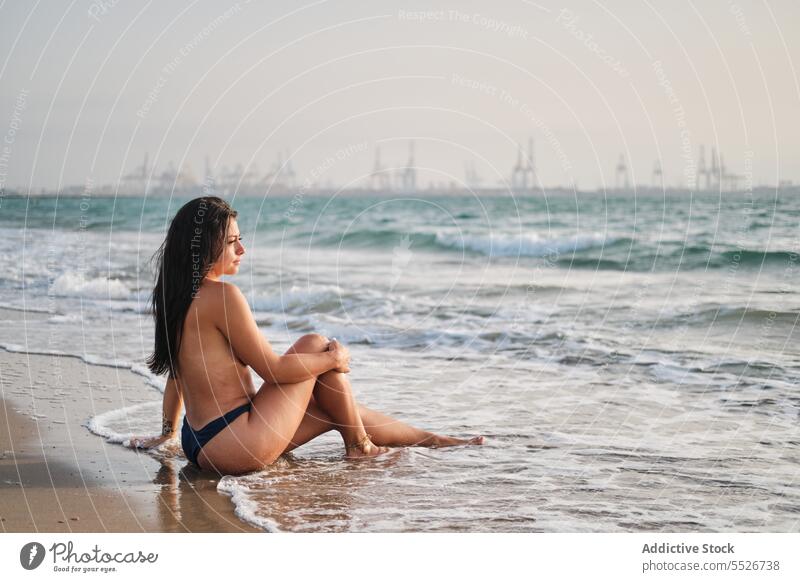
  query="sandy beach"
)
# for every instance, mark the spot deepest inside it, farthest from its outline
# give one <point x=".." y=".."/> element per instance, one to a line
<point x="56" y="476"/>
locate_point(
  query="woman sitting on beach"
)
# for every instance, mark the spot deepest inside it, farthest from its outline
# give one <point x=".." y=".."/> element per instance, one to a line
<point x="206" y="325"/>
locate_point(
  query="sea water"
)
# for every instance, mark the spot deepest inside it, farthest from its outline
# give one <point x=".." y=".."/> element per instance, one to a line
<point x="632" y="359"/>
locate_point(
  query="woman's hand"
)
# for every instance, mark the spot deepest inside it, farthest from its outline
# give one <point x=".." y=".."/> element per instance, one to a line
<point x="147" y="442"/>
<point x="342" y="355"/>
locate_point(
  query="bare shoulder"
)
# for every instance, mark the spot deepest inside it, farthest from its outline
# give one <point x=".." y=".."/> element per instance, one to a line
<point x="224" y="302"/>
<point x="228" y="290"/>
<point x="216" y="292"/>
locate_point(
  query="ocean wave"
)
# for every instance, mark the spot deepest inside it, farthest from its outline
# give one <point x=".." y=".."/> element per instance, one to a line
<point x="298" y="297"/>
<point x="346" y="333"/>
<point x="754" y="314"/>
<point x="489" y="244"/>
<point x="370" y="238"/>
<point x="641" y="257"/>
<point x="732" y="314"/>
<point x="76" y="285"/>
<point x="596" y="264"/>
<point x="525" y="245"/>
<point x="702" y="255"/>
<point x="760" y="257"/>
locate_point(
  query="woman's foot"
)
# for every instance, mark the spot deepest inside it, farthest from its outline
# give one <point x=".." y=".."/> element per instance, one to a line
<point x="444" y="441"/>
<point x="364" y="448"/>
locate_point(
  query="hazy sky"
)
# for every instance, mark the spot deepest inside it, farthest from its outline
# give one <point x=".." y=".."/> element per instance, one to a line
<point x="86" y="88"/>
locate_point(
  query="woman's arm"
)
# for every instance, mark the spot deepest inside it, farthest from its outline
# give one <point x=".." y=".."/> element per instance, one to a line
<point x="171" y="408"/>
<point x="170" y="414"/>
<point x="237" y="324"/>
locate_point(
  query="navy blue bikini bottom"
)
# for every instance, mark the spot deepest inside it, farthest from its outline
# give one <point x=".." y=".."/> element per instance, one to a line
<point x="194" y="440"/>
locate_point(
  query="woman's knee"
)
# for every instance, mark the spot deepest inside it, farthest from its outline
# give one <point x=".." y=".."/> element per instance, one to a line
<point x="311" y="343"/>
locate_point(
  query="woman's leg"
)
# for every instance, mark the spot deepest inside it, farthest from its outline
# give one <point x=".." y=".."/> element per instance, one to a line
<point x="333" y="395"/>
<point x="334" y="389"/>
<point x="316" y="422"/>
<point x="390" y="432"/>
<point x="261" y="436"/>
<point x="385" y="430"/>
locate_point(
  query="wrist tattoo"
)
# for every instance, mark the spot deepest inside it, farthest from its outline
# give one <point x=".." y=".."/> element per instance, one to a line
<point x="166" y="426"/>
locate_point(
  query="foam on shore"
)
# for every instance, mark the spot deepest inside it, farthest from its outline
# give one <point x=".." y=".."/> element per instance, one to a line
<point x="134" y="418"/>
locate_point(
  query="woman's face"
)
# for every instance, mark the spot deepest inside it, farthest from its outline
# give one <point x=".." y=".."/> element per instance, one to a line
<point x="232" y="251"/>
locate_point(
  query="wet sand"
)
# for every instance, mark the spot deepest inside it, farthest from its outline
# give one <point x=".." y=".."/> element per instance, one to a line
<point x="56" y="476"/>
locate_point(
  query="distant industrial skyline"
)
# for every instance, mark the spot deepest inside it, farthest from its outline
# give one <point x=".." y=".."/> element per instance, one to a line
<point x="711" y="174"/>
<point x="609" y="92"/>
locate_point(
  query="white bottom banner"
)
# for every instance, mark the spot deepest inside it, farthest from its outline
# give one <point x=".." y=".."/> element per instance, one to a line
<point x="382" y="557"/>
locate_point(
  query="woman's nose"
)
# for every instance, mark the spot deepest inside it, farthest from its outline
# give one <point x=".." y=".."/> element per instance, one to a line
<point x="240" y="249"/>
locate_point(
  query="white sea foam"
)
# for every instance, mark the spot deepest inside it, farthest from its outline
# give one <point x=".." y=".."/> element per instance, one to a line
<point x="245" y="507"/>
<point x="296" y="296"/>
<point x="157" y="382"/>
<point x="19" y="348"/>
<point x="12" y="307"/>
<point x="343" y="332"/>
<point x="527" y="245"/>
<point x="136" y="417"/>
<point x="76" y="285"/>
<point x="66" y="318"/>
<point x="150" y="379"/>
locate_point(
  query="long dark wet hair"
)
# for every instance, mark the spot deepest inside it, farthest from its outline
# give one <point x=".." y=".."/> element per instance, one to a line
<point x="194" y="241"/>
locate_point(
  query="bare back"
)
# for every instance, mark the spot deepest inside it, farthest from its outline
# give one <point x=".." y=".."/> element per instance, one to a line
<point x="212" y="378"/>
